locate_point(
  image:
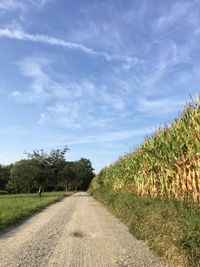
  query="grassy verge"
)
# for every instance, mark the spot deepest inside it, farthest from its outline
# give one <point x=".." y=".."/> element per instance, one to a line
<point x="14" y="208"/>
<point x="170" y="228"/>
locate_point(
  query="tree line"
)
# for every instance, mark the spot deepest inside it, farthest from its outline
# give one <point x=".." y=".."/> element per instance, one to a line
<point x="42" y="171"/>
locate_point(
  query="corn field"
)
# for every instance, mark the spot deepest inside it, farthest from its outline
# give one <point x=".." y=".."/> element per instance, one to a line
<point x="167" y="164"/>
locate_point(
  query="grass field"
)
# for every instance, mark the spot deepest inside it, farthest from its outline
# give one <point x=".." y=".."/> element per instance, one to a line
<point x="171" y="228"/>
<point x="14" y="208"/>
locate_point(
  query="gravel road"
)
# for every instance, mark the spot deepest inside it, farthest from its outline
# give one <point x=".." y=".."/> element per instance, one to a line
<point x="78" y="231"/>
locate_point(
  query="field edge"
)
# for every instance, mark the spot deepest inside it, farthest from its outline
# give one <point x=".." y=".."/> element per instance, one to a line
<point x="170" y="228"/>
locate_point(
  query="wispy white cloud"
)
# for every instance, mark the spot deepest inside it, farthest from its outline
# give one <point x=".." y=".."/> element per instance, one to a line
<point x="40" y="87"/>
<point x="19" y="34"/>
<point x="106" y="137"/>
<point x="170" y="58"/>
<point x="156" y="105"/>
<point x="67" y="103"/>
<point x="179" y="11"/>
<point x="88" y="111"/>
<point x="9" y="5"/>
<point x="107" y="36"/>
<point x="83" y="104"/>
<point x="113" y="136"/>
<point x="43" y="118"/>
<point x="12" y="4"/>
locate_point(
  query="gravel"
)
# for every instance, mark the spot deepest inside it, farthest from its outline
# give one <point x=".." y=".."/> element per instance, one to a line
<point x="77" y="231"/>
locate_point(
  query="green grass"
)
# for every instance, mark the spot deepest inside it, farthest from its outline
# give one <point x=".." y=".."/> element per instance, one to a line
<point x="170" y="228"/>
<point x="14" y="208"/>
<point x="2" y="192"/>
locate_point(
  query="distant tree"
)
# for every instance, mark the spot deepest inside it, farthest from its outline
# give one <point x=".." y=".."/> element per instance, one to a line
<point x="77" y="175"/>
<point x="46" y="171"/>
<point x="50" y="165"/>
<point x="4" y="175"/>
<point x="57" y="162"/>
<point x="68" y="176"/>
<point x="84" y="171"/>
<point x="89" y="173"/>
<point x="23" y="178"/>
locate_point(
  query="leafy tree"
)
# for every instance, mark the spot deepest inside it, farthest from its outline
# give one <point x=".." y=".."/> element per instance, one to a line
<point x="23" y="177"/>
<point x="84" y="171"/>
<point x="77" y="174"/>
<point x="57" y="162"/>
<point x="68" y="176"/>
<point x="46" y="171"/>
<point x="4" y="175"/>
<point x="50" y="166"/>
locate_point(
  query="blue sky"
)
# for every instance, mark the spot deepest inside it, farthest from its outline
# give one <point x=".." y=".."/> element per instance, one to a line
<point x="97" y="76"/>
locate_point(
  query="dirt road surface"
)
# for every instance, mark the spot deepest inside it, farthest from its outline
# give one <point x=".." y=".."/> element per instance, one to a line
<point x="76" y="232"/>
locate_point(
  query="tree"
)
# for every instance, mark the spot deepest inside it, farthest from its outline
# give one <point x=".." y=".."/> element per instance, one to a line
<point x="68" y="176"/>
<point x="4" y="175"/>
<point x="23" y="178"/>
<point x="77" y="174"/>
<point x="57" y="162"/>
<point x="46" y="171"/>
<point x="85" y="172"/>
<point x="51" y="166"/>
